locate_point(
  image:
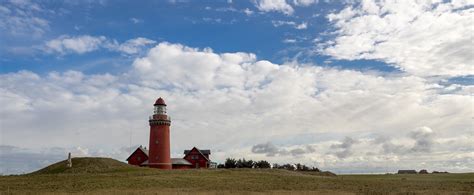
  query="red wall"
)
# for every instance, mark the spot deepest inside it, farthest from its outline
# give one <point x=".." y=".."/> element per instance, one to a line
<point x="134" y="159"/>
<point x="159" y="148"/>
<point x="201" y="161"/>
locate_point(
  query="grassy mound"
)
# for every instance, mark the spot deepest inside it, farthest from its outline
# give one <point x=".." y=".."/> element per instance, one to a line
<point x="108" y="176"/>
<point x="323" y="173"/>
<point x="87" y="165"/>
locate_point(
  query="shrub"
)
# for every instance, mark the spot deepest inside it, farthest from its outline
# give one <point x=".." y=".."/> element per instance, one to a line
<point x="287" y="167"/>
<point x="242" y="163"/>
<point x="262" y="164"/>
<point x="230" y="163"/>
<point x="315" y="169"/>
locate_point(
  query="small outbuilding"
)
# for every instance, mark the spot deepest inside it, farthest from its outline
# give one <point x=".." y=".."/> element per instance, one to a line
<point x="407" y="172"/>
<point x="423" y="171"/>
<point x="138" y="157"/>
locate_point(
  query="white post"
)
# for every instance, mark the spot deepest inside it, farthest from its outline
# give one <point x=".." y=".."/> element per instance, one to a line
<point x="69" y="161"/>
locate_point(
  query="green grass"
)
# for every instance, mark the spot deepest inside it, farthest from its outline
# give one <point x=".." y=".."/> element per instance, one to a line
<point x="100" y="175"/>
<point x="87" y="165"/>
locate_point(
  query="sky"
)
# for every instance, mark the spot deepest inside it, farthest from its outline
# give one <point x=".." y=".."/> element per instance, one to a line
<point x="347" y="86"/>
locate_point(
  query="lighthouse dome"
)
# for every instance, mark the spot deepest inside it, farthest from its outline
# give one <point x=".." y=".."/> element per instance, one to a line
<point x="160" y="101"/>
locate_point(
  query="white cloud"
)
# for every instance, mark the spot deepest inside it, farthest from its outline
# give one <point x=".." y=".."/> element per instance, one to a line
<point x="304" y="111"/>
<point x="80" y="44"/>
<point x="136" y="20"/>
<point x="278" y="23"/>
<point x="22" y="18"/>
<point x="425" y="38"/>
<point x="86" y="43"/>
<point x="132" y="46"/>
<point x="274" y="5"/>
<point x="247" y="11"/>
<point x="304" y="3"/>
<point x="301" y="26"/>
<point x="289" y="41"/>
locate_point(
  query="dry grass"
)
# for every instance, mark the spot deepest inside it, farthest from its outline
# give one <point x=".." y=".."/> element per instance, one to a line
<point x="107" y="177"/>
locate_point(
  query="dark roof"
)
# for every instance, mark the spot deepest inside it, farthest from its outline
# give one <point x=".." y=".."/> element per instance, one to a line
<point x="180" y="161"/>
<point x="202" y="151"/>
<point x="160" y="101"/>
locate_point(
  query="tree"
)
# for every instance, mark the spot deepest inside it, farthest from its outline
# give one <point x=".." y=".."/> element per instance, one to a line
<point x="302" y="167"/>
<point x="275" y="166"/>
<point x="287" y="167"/>
<point x="239" y="164"/>
<point x="262" y="164"/>
<point x="315" y="169"/>
<point x="248" y="163"/>
<point x="242" y="163"/>
<point x="220" y="166"/>
<point x="230" y="163"/>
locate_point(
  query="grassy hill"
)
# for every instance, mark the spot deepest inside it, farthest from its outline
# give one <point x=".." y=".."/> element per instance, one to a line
<point x="103" y="175"/>
<point x="87" y="165"/>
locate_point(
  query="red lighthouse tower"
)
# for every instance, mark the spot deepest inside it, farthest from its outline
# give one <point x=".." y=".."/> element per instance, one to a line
<point x="159" y="154"/>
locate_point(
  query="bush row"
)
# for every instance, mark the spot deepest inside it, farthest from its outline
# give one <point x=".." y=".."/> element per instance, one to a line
<point x="262" y="164"/>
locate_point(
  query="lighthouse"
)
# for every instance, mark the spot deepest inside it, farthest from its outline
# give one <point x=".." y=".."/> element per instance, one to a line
<point x="159" y="148"/>
<point x="158" y="153"/>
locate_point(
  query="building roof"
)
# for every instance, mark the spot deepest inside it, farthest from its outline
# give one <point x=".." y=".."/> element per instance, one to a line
<point x="180" y="161"/>
<point x="205" y="152"/>
<point x="160" y="101"/>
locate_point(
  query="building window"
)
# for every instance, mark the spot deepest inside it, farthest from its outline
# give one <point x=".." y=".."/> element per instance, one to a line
<point x="156" y="141"/>
<point x="138" y="158"/>
<point x="194" y="157"/>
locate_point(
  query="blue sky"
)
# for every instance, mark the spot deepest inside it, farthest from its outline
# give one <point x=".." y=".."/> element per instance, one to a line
<point x="223" y="26"/>
<point x="348" y="86"/>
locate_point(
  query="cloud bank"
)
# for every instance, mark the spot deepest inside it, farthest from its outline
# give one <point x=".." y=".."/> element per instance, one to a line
<point x="85" y="43"/>
<point x="233" y="102"/>
<point x="425" y="38"/>
<point x="23" y="19"/>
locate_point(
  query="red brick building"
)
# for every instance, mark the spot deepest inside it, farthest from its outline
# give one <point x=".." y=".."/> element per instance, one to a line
<point x="198" y="158"/>
<point x="139" y="156"/>
<point x="158" y="155"/>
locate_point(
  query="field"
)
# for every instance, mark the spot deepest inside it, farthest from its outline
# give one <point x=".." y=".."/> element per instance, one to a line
<point x="101" y="175"/>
